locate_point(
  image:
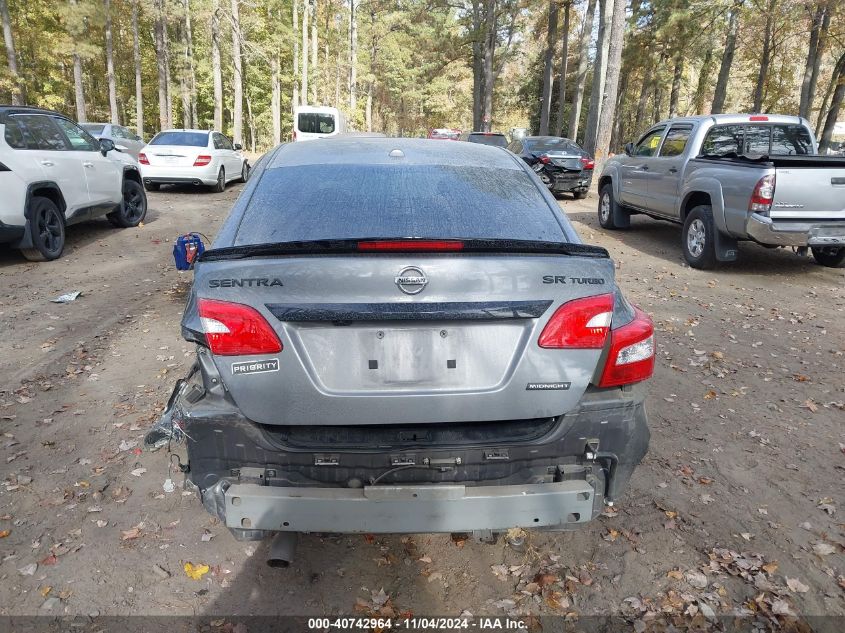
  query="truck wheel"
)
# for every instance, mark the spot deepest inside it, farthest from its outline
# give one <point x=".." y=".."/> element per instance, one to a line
<point x="609" y="210"/>
<point x="245" y="172"/>
<point x="830" y="256"/>
<point x="699" y="238"/>
<point x="133" y="209"/>
<point x="47" y="230"/>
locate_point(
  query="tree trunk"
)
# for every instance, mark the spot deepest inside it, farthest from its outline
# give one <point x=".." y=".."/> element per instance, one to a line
<point x="167" y="82"/>
<point x="677" y="75"/>
<point x="564" y="59"/>
<point x="238" y="79"/>
<point x="703" y="82"/>
<point x="488" y="51"/>
<point x="614" y="66"/>
<point x="766" y="59"/>
<point x="368" y="112"/>
<point x="189" y="58"/>
<point x="581" y="76"/>
<point x="139" y="86"/>
<point x="11" y="54"/>
<point x="251" y="122"/>
<point x="303" y="72"/>
<point x="79" y="92"/>
<point x="642" y="102"/>
<point x="185" y="94"/>
<point x="619" y="119"/>
<point x="314" y="46"/>
<point x="548" y="61"/>
<point x="276" y="100"/>
<point x="599" y="76"/>
<point x="110" y="65"/>
<point x="163" y="105"/>
<point x="216" y="69"/>
<point x="721" y="91"/>
<point x="353" y="58"/>
<point x="835" y="105"/>
<point x="477" y="75"/>
<point x="818" y="33"/>
<point x="295" y="101"/>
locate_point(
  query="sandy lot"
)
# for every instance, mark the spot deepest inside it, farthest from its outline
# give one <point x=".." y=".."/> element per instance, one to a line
<point x="738" y="507"/>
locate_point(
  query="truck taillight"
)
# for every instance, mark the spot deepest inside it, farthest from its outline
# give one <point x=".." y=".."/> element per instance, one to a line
<point x="763" y="195"/>
<point x="234" y="329"/>
<point x="579" y="324"/>
<point x="142" y="158"/>
<point x="587" y="163"/>
<point x="202" y="160"/>
<point x="545" y="159"/>
<point x="631" y="357"/>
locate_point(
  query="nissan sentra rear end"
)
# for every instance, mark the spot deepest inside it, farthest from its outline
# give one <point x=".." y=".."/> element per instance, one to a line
<point x="392" y="340"/>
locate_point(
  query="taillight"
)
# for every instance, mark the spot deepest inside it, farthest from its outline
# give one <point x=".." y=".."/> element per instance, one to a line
<point x="545" y="159"/>
<point x="631" y="357"/>
<point x="763" y="195"/>
<point x="233" y="329"/>
<point x="579" y="324"/>
<point x="410" y="246"/>
<point x="142" y="158"/>
<point x="587" y="163"/>
<point x="202" y="160"/>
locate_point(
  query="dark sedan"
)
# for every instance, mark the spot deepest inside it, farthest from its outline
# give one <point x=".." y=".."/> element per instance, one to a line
<point x="560" y="162"/>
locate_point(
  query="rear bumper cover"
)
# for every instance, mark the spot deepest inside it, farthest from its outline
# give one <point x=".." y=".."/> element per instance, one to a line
<point x="11" y="233"/>
<point x="255" y="481"/>
<point x="794" y="233"/>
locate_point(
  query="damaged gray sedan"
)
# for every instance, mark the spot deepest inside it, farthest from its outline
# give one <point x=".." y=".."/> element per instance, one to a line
<point x="392" y="339"/>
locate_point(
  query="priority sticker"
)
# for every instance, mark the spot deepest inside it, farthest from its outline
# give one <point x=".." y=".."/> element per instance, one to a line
<point x="255" y="366"/>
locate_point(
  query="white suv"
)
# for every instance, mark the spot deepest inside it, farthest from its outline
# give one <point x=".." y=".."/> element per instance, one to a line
<point x="192" y="157"/>
<point x="52" y="174"/>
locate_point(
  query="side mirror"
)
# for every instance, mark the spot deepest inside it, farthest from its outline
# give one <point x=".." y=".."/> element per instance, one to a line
<point x="106" y="145"/>
<point x="238" y="147"/>
<point x="629" y="149"/>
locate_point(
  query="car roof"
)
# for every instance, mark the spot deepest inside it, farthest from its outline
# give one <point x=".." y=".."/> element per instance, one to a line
<point x="185" y="129"/>
<point x="487" y="133"/>
<point x="722" y="119"/>
<point x="6" y="110"/>
<point x="547" y="138"/>
<point x="376" y="151"/>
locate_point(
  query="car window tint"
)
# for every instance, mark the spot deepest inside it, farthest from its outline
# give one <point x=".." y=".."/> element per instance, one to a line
<point x="189" y="139"/>
<point x="497" y="140"/>
<point x="218" y="141"/>
<point x="120" y="132"/>
<point x="44" y="134"/>
<point x="14" y="135"/>
<point x="676" y="140"/>
<point x="789" y="140"/>
<point x="93" y="128"/>
<point x="723" y="139"/>
<point x="757" y="139"/>
<point x="79" y="139"/>
<point x="347" y="201"/>
<point x="316" y="123"/>
<point x="648" y="144"/>
<point x="227" y="144"/>
<point x="556" y="145"/>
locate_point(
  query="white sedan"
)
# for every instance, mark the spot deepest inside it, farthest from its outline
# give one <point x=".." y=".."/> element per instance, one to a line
<point x="194" y="157"/>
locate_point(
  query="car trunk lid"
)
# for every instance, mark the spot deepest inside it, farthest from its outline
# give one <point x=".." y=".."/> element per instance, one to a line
<point x="173" y="155"/>
<point x="405" y="338"/>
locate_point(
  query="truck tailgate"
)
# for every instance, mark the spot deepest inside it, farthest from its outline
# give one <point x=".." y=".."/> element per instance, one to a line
<point x="809" y="193"/>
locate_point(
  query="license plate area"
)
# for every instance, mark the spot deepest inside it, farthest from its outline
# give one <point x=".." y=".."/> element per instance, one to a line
<point x="412" y="358"/>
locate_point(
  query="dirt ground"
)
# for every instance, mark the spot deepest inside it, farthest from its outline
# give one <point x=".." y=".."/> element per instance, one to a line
<point x="738" y="507"/>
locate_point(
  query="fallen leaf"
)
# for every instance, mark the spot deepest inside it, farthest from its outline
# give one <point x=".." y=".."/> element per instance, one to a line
<point x="50" y="559"/>
<point x="824" y="549"/>
<point x="696" y="579"/>
<point x="5" y="533"/>
<point x="770" y="568"/>
<point x="676" y="574"/>
<point x="544" y="580"/>
<point x="611" y="535"/>
<point x="138" y="472"/>
<point x="812" y="406"/>
<point x="130" y="534"/>
<point x="781" y="607"/>
<point x="796" y="585"/>
<point x="28" y="570"/>
<point x="196" y="572"/>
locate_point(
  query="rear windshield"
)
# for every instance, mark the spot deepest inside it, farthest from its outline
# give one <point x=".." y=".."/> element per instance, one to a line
<point x="191" y="139"/>
<point x="390" y="201"/>
<point x="92" y="128"/>
<point x="497" y="140"/>
<point x="316" y="123"/>
<point x="771" y="140"/>
<point x="553" y="144"/>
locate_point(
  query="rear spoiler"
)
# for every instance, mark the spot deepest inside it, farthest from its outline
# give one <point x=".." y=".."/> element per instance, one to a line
<point x="384" y="246"/>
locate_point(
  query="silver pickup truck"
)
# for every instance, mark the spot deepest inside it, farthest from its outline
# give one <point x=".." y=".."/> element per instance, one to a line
<point x="727" y="178"/>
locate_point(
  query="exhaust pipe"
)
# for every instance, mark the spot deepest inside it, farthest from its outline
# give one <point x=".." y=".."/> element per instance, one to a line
<point x="282" y="549"/>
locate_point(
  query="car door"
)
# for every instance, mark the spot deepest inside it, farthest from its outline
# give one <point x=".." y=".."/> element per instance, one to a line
<point x="103" y="175"/>
<point x="232" y="159"/>
<point x="666" y="169"/>
<point x="635" y="169"/>
<point x="59" y="163"/>
<point x="218" y="151"/>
